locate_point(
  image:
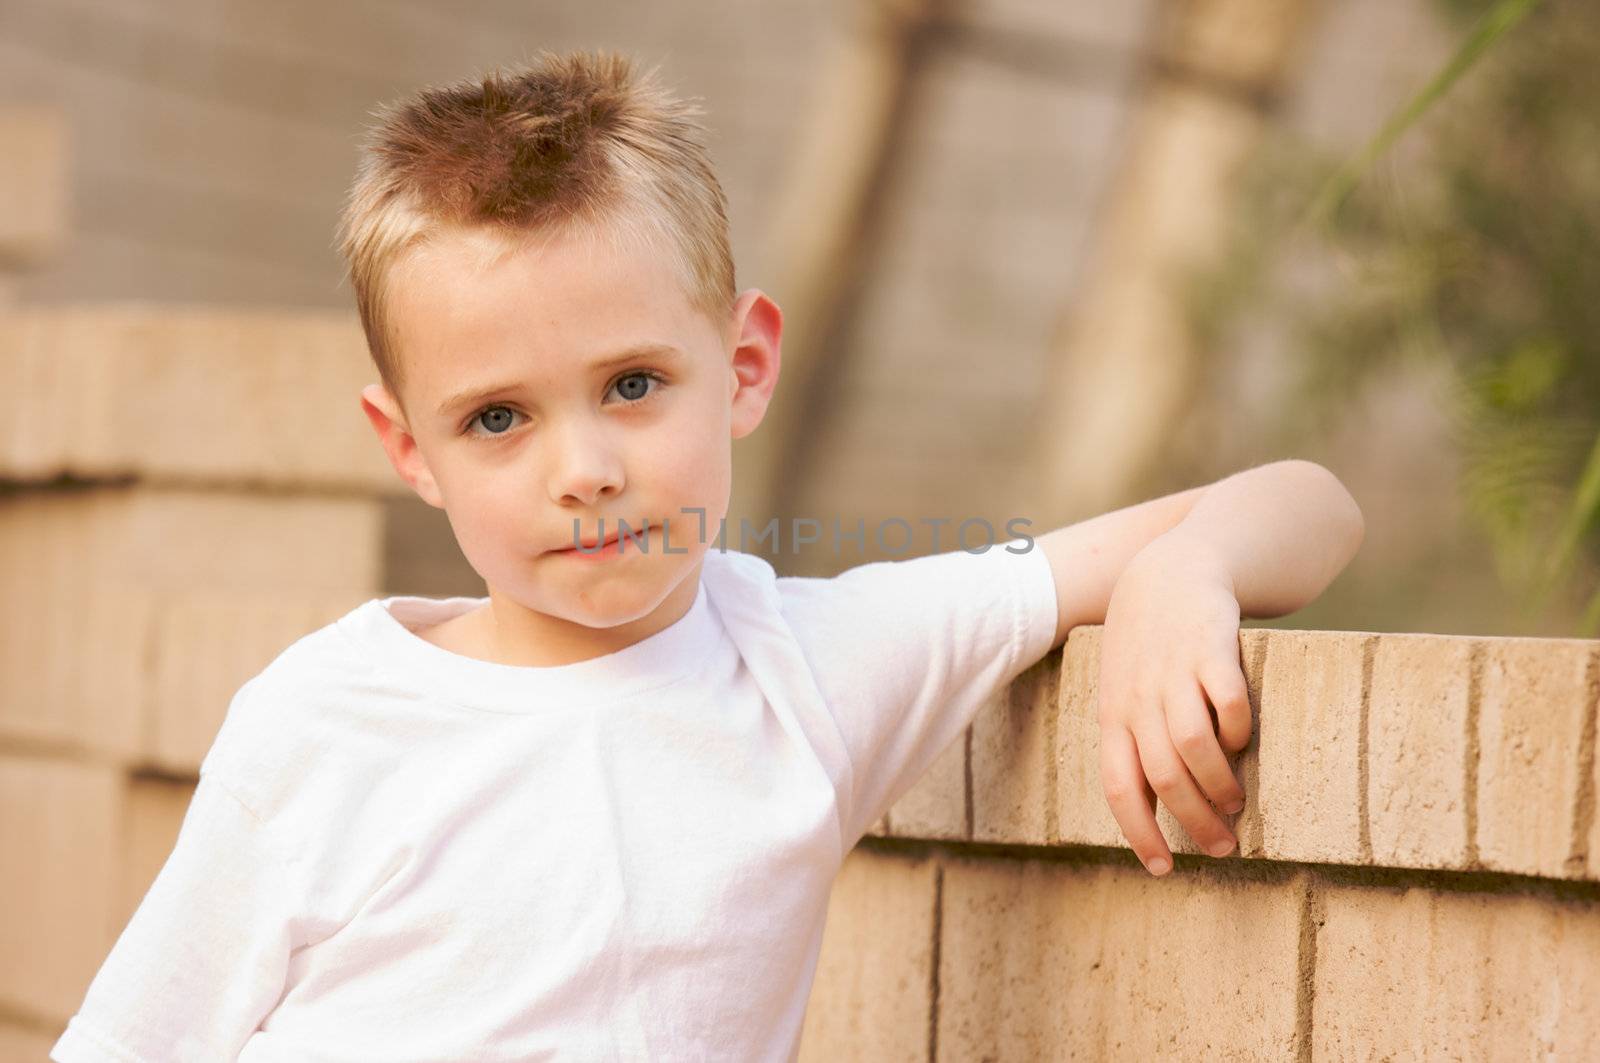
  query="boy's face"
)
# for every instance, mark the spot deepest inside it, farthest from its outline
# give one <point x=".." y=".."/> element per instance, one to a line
<point x="522" y="420"/>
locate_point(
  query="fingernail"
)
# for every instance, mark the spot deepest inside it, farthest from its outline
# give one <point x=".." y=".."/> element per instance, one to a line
<point x="1221" y="847"/>
<point x="1158" y="866"/>
<point x="1234" y="807"/>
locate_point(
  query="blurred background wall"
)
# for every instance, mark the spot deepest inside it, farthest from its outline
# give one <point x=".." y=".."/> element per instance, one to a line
<point x="1037" y="260"/>
<point x="987" y="223"/>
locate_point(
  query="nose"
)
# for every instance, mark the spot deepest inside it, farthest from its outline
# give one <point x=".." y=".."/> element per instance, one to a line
<point x="585" y="464"/>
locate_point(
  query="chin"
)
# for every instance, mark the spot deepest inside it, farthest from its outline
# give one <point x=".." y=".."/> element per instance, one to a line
<point x="614" y="606"/>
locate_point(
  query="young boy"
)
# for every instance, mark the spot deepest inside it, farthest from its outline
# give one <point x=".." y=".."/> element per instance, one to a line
<point x="597" y="813"/>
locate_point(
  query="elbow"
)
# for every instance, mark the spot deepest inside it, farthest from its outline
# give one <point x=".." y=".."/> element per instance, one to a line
<point x="1344" y="504"/>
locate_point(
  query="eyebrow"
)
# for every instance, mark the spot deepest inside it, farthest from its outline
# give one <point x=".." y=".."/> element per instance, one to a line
<point x="641" y="350"/>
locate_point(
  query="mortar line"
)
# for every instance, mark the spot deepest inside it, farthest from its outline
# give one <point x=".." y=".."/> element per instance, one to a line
<point x="1584" y="796"/>
<point x="1306" y="971"/>
<point x="1369" y="654"/>
<point x="1254" y="869"/>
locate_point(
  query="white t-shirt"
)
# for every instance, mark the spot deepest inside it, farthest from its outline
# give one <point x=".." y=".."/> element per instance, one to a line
<point x="396" y="852"/>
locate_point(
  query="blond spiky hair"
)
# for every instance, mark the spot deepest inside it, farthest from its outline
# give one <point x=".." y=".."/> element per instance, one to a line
<point x="571" y="140"/>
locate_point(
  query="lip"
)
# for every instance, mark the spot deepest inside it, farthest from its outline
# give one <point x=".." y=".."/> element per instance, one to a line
<point x="590" y="545"/>
<point x="594" y="548"/>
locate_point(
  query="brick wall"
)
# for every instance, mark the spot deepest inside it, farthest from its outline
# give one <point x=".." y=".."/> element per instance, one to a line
<point x="1418" y="874"/>
<point x="171" y="517"/>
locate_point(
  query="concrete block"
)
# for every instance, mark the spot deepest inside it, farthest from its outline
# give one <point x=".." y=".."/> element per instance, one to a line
<point x="1308" y="792"/>
<point x="204" y="394"/>
<point x="1417" y="751"/>
<point x="1013" y="757"/>
<point x="175" y="596"/>
<point x="73" y="666"/>
<point x="226" y="540"/>
<point x="1535" y="698"/>
<point x="34" y="184"/>
<point x="1082" y="815"/>
<point x="872" y="992"/>
<point x="936" y="804"/>
<point x="60" y="831"/>
<point x="1416" y="973"/>
<point x="1052" y="961"/>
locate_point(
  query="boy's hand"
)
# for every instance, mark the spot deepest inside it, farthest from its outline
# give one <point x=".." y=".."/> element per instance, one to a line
<point x="1171" y="643"/>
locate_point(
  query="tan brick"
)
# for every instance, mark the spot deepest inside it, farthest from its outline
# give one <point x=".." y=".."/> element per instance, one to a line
<point x="1051" y="961"/>
<point x="1534" y="701"/>
<point x="1417" y="751"/>
<point x="1308" y="789"/>
<point x="1012" y="757"/>
<point x="176" y="596"/>
<point x="51" y="362"/>
<point x="1083" y="817"/>
<point x="872" y="992"/>
<point x="248" y="541"/>
<point x="50" y="543"/>
<point x="33" y="184"/>
<point x="207" y="394"/>
<point x="936" y="804"/>
<point x="154" y="814"/>
<point x="60" y="826"/>
<point x="1407" y="973"/>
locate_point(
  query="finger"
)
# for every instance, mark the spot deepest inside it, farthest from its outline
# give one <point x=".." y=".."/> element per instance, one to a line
<point x="1189" y="727"/>
<point x="1224" y="685"/>
<point x="1132" y="802"/>
<point x="1171" y="781"/>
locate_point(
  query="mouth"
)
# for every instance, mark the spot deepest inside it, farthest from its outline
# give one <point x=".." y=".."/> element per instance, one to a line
<point x="596" y="544"/>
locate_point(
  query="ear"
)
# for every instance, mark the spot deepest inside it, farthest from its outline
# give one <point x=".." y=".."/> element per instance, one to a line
<point x="389" y="421"/>
<point x="757" y="326"/>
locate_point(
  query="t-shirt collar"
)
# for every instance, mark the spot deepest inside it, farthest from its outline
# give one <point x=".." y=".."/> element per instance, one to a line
<point x="384" y="626"/>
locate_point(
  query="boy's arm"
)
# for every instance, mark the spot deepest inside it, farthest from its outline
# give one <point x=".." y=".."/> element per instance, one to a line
<point x="1170" y="590"/>
<point x="205" y="956"/>
<point x="1269" y="573"/>
<point x="1088" y="557"/>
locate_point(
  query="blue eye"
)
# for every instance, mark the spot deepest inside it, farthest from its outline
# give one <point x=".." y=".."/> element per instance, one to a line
<point x="492" y="414"/>
<point x="498" y="421"/>
<point x="642" y="391"/>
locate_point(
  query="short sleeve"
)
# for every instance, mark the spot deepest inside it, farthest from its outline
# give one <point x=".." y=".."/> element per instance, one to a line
<point x="906" y="652"/>
<point x="204" y="957"/>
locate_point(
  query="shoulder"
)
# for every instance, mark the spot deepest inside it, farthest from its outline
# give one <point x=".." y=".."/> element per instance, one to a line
<point x="282" y="720"/>
<point x="734" y="567"/>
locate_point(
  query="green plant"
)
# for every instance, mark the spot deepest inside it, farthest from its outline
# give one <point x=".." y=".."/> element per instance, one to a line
<point x="1483" y="256"/>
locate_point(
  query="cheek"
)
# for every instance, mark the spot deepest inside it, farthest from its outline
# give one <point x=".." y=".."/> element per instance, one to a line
<point x="478" y="513"/>
<point x="697" y="464"/>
